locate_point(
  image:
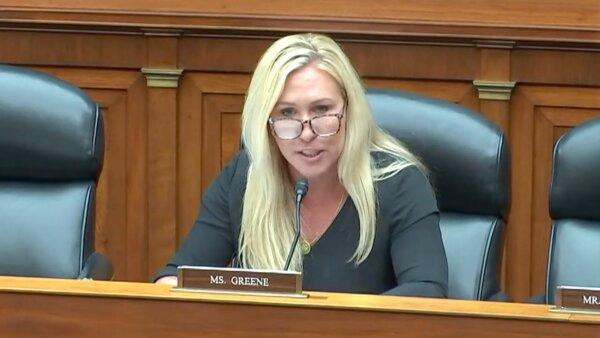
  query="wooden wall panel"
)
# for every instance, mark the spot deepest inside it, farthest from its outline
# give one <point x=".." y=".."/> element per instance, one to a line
<point x="189" y="145"/>
<point x="495" y="65"/>
<point x="461" y="93"/>
<point x="517" y="12"/>
<point x="222" y="54"/>
<point x="210" y="106"/>
<point x="413" y="61"/>
<point x="548" y="21"/>
<point x="162" y="155"/>
<point x="72" y="49"/>
<point x="556" y="67"/>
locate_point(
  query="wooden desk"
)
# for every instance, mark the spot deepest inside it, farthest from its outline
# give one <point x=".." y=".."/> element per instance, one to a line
<point x="35" y="307"/>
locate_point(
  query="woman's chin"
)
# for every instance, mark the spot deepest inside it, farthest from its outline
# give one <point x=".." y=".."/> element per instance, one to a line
<point x="313" y="172"/>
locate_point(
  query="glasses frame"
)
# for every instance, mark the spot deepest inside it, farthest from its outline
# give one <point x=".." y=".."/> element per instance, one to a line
<point x="304" y="122"/>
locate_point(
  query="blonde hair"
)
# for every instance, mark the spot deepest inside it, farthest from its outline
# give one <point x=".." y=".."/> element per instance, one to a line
<point x="267" y="227"/>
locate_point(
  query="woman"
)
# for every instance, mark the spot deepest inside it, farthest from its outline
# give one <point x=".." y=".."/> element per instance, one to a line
<point x="369" y="222"/>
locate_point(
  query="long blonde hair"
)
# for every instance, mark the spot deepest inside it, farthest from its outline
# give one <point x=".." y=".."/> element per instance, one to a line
<point x="267" y="227"/>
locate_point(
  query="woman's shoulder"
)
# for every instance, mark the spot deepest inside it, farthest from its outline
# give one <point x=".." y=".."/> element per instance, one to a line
<point x="408" y="177"/>
<point x="234" y="173"/>
<point x="404" y="180"/>
<point x="407" y="193"/>
<point x="389" y="167"/>
<point x="239" y="162"/>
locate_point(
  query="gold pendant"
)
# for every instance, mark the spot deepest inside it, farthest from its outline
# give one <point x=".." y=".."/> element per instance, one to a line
<point x="304" y="247"/>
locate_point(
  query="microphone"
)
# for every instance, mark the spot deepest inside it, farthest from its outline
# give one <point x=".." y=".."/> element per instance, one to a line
<point x="300" y="189"/>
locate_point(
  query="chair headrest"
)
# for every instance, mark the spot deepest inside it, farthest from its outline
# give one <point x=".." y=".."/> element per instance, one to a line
<point x="575" y="186"/>
<point x="466" y="154"/>
<point x="49" y="129"/>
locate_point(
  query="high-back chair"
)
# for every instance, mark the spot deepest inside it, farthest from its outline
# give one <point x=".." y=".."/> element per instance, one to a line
<point x="51" y="148"/>
<point x="574" y="252"/>
<point x="468" y="161"/>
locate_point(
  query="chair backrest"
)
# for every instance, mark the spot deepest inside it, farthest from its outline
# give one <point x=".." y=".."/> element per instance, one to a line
<point x="51" y="150"/>
<point x="574" y="252"/>
<point x="467" y="156"/>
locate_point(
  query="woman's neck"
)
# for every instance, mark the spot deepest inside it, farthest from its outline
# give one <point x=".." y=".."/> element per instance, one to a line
<point x="323" y="190"/>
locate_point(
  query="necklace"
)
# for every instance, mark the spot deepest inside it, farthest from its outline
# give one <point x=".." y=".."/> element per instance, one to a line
<point x="306" y="246"/>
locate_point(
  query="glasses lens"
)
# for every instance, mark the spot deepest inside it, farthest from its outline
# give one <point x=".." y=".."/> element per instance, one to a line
<point x="326" y="125"/>
<point x="287" y="129"/>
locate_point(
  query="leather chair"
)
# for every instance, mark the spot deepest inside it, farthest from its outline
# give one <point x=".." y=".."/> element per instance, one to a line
<point x="468" y="161"/>
<point x="574" y="251"/>
<point x="51" y="149"/>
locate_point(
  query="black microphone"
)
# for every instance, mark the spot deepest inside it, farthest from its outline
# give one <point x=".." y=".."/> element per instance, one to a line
<point x="300" y="189"/>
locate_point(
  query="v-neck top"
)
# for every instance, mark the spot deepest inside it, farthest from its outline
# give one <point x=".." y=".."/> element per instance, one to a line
<point x="407" y="257"/>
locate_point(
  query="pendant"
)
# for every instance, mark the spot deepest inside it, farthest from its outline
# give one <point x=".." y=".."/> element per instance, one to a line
<point x="304" y="247"/>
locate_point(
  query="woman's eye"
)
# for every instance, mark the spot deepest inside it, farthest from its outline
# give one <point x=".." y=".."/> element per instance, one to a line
<point x="321" y="109"/>
<point x="287" y="112"/>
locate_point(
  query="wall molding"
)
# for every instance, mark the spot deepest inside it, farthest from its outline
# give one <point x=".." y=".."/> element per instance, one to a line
<point x="494" y="90"/>
<point x="162" y="78"/>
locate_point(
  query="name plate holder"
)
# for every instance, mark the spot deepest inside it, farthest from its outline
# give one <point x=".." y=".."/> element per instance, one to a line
<point x="239" y="281"/>
<point x="577" y="299"/>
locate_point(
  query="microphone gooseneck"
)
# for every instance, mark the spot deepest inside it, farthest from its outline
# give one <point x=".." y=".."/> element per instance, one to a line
<point x="300" y="189"/>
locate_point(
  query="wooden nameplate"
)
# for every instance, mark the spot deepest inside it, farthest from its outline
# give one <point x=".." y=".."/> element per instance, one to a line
<point x="233" y="280"/>
<point x="577" y="299"/>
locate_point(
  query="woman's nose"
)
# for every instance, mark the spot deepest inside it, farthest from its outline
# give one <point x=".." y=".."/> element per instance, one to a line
<point x="307" y="133"/>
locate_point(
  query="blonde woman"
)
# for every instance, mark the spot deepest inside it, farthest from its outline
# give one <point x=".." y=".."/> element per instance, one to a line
<point x="369" y="222"/>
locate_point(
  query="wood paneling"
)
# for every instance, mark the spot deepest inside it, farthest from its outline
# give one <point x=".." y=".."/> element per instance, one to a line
<point x="552" y="21"/>
<point x="458" y="92"/>
<point x="72" y="49"/>
<point x="165" y="145"/>
<point x="551" y="12"/>
<point x="219" y="54"/>
<point x="413" y="61"/>
<point x="162" y="157"/>
<point x="210" y="106"/>
<point x="556" y="67"/>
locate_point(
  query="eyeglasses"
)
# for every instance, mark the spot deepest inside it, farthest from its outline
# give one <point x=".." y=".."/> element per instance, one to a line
<point x="289" y="128"/>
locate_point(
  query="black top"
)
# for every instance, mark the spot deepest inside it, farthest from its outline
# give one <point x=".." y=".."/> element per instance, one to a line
<point x="407" y="258"/>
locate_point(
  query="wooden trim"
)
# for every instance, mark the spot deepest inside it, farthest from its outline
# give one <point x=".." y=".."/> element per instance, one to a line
<point x="494" y="90"/>
<point x="351" y="28"/>
<point x="162" y="78"/>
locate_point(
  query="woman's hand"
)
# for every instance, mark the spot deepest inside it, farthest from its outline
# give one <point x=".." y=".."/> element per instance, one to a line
<point x="169" y="280"/>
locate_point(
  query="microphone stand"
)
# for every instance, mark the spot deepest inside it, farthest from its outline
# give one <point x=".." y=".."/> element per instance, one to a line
<point x="296" y="234"/>
<point x="301" y="188"/>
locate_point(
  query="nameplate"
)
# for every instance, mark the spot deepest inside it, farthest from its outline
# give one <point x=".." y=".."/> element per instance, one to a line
<point x="578" y="298"/>
<point x="233" y="280"/>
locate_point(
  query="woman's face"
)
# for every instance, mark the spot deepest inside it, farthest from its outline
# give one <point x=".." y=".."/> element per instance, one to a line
<point x="310" y="92"/>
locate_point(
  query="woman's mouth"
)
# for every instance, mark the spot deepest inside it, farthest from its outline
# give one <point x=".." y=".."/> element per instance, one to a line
<point x="310" y="153"/>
